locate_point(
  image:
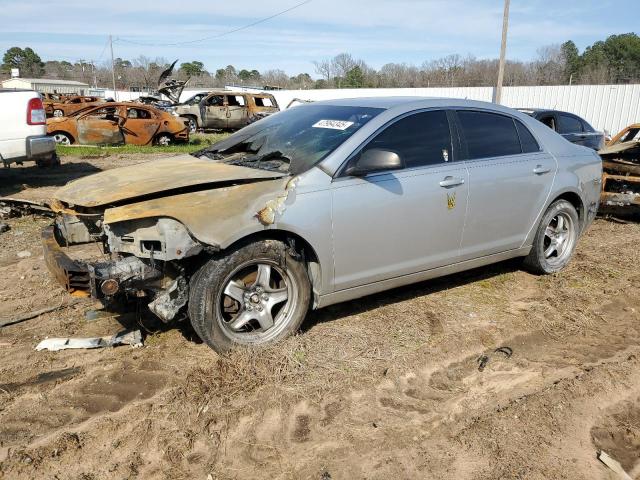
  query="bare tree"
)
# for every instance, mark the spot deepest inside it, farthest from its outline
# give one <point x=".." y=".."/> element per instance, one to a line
<point x="323" y="68"/>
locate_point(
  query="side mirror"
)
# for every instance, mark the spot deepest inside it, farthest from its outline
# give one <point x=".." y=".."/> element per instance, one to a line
<point x="375" y="160"/>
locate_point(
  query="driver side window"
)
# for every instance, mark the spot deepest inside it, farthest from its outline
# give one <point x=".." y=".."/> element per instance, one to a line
<point x="419" y="139"/>
<point x="215" y="101"/>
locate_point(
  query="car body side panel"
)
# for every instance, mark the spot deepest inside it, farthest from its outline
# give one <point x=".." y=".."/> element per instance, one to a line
<point x="393" y="224"/>
<point x="216" y="217"/>
<point x="140" y="131"/>
<point x="579" y="173"/>
<point x="97" y="131"/>
<point x="505" y="198"/>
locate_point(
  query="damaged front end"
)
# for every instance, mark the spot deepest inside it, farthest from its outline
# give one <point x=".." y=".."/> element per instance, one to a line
<point x="141" y="259"/>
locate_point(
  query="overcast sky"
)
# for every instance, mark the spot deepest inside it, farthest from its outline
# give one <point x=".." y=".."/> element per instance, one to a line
<point x="378" y="31"/>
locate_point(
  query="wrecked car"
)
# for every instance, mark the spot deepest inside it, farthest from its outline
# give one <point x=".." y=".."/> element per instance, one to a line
<point x="227" y="110"/>
<point x="117" y="124"/>
<point x="621" y="173"/>
<point x="323" y="203"/>
<point x="71" y="104"/>
<point x="575" y="129"/>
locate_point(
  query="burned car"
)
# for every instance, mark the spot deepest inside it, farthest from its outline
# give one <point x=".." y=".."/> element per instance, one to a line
<point x="323" y="203"/>
<point x="117" y="124"/>
<point x="226" y="110"/>
<point x="71" y="104"/>
<point x="48" y="99"/>
<point x="621" y="173"/>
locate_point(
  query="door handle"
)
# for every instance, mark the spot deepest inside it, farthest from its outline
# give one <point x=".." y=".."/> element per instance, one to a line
<point x="451" y="182"/>
<point x="539" y="170"/>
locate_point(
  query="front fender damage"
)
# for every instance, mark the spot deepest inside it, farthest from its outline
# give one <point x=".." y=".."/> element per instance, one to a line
<point x="154" y="246"/>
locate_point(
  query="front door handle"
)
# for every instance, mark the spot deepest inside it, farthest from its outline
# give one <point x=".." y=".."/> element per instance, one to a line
<point x="451" y="182"/>
<point x="540" y="170"/>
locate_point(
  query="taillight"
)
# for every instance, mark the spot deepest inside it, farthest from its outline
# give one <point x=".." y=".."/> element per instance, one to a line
<point x="35" y="112"/>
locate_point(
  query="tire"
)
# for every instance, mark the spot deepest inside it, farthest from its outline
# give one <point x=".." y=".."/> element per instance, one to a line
<point x="51" y="161"/>
<point x="58" y="113"/>
<point x="192" y="125"/>
<point x="555" y="240"/>
<point x="256" y="295"/>
<point x="164" y="139"/>
<point x="62" y="138"/>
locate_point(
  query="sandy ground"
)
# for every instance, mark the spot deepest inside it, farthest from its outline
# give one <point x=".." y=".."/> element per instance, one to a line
<point x="384" y="387"/>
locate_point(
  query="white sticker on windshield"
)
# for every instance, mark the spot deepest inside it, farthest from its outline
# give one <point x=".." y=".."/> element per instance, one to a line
<point x="333" y="124"/>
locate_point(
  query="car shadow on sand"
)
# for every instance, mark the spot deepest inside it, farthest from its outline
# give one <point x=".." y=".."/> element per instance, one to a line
<point x="132" y="316"/>
<point x="408" y="292"/>
<point x="16" y="179"/>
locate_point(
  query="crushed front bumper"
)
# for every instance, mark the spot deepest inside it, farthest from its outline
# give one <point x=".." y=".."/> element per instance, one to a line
<point x="165" y="287"/>
<point x="73" y="275"/>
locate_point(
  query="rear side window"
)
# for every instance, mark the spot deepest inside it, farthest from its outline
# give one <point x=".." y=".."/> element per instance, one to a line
<point x="489" y="134"/>
<point x="586" y="127"/>
<point x="568" y="124"/>
<point x="420" y="139"/>
<point x="527" y="141"/>
<point x="263" y="102"/>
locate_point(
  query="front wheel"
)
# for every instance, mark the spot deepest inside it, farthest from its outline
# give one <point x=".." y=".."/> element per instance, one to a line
<point x="58" y="113"/>
<point x="555" y="240"/>
<point x="164" y="139"/>
<point x="256" y="295"/>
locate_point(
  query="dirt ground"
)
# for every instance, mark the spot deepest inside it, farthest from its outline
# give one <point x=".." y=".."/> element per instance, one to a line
<point x="388" y="386"/>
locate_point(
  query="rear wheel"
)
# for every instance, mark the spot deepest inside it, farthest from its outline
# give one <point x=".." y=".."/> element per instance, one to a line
<point x="164" y="139"/>
<point x="256" y="295"/>
<point x="58" y="113"/>
<point x="51" y="161"/>
<point x="62" y="138"/>
<point x="555" y="240"/>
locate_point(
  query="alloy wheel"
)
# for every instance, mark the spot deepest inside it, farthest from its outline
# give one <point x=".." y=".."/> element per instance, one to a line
<point x="257" y="300"/>
<point x="559" y="238"/>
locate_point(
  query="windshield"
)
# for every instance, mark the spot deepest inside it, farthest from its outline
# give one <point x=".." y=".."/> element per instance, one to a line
<point x="292" y="141"/>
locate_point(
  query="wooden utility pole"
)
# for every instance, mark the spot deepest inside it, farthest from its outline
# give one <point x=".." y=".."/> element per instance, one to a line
<point x="113" y="71"/>
<point x="503" y="51"/>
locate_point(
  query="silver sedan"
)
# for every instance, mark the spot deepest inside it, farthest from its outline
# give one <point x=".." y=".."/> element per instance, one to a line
<point x="323" y="203"/>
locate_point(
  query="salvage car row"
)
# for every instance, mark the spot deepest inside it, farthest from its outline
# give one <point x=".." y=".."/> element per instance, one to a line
<point x="94" y="121"/>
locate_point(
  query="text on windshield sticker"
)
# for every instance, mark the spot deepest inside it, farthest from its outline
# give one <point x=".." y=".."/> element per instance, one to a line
<point x="333" y="124"/>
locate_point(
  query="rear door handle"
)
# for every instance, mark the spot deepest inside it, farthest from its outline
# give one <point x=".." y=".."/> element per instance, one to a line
<point x="451" y="182"/>
<point x="539" y="170"/>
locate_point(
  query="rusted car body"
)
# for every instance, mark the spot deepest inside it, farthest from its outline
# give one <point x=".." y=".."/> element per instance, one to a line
<point x="227" y="110"/>
<point x="48" y="99"/>
<point x="118" y="123"/>
<point x="621" y="173"/>
<point x="71" y="104"/>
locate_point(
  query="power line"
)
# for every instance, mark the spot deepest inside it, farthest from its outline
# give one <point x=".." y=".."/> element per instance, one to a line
<point x="106" y="44"/>
<point x="244" y="27"/>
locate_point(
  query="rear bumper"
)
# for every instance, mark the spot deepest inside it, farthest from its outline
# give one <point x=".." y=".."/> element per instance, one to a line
<point x="74" y="276"/>
<point x="40" y="146"/>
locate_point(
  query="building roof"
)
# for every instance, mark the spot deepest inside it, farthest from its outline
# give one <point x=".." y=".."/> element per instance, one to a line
<point x="55" y="81"/>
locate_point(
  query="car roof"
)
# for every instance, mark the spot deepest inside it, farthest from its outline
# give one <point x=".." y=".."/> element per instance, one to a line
<point x="413" y="102"/>
<point x="544" y="110"/>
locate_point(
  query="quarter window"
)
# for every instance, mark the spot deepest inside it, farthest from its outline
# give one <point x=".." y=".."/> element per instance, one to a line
<point x="489" y="134"/>
<point x="527" y="141"/>
<point x="567" y="124"/>
<point x="419" y="139"/>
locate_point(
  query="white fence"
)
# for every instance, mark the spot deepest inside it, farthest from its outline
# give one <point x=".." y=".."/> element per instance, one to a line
<point x="608" y="108"/>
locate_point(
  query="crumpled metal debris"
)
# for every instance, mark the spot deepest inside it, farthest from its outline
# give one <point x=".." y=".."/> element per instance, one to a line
<point x="126" y="337"/>
<point x="621" y="173"/>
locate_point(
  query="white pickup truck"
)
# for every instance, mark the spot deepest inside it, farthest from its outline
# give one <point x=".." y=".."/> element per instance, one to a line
<point x="23" y="129"/>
